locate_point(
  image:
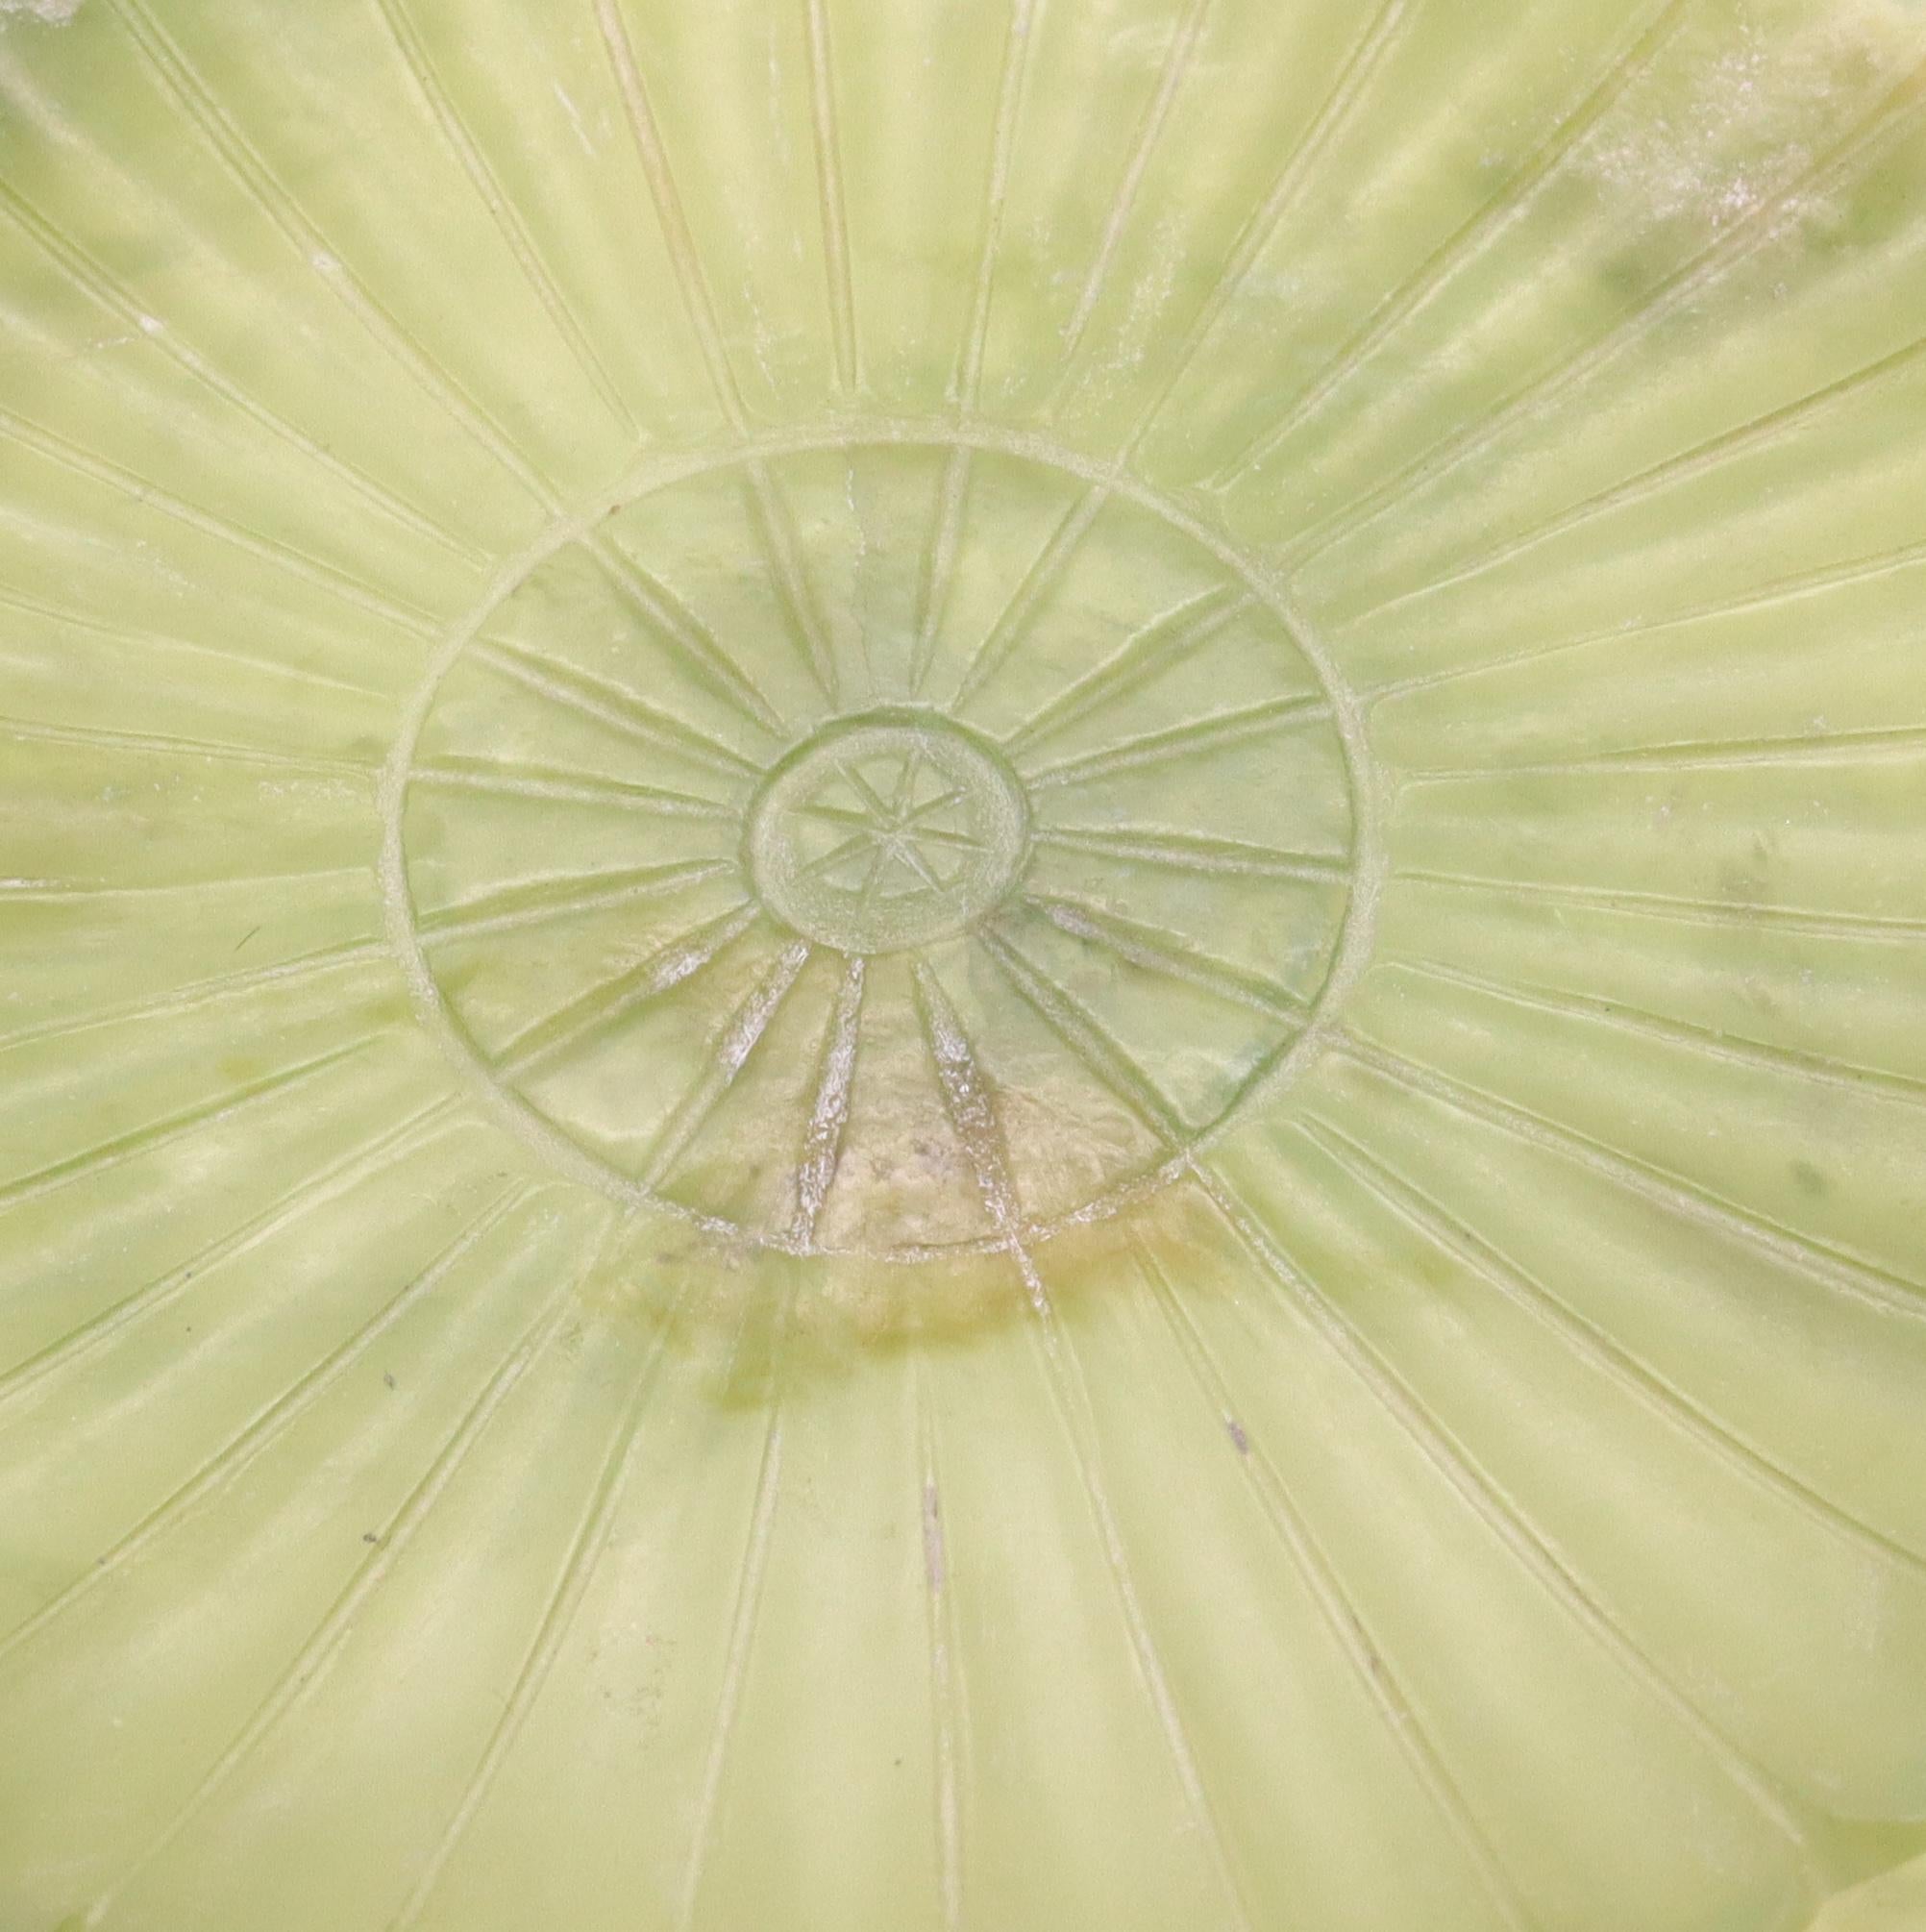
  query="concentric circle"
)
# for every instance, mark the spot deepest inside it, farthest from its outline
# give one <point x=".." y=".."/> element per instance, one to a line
<point x="619" y="1310"/>
<point x="880" y="845"/>
<point x="885" y="832"/>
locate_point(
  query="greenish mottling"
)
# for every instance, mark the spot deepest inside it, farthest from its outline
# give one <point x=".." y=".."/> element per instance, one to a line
<point x="962" y="967"/>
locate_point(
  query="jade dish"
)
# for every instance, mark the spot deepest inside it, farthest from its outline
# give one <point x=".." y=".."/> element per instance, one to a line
<point x="962" y="965"/>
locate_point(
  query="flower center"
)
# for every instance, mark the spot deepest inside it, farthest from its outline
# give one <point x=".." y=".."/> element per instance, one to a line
<point x="886" y="832"/>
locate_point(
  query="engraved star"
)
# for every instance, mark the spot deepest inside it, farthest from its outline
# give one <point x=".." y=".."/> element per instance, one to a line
<point x="895" y="842"/>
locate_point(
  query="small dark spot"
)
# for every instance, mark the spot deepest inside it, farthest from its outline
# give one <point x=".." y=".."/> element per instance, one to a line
<point x="370" y="1536"/>
<point x="1238" y="1435"/>
<point x="250" y="936"/>
<point x="1741" y="883"/>
<point x="388" y="1378"/>
<point x="1809" y="1178"/>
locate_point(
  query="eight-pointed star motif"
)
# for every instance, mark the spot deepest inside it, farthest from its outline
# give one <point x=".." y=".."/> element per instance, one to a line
<point x="887" y="827"/>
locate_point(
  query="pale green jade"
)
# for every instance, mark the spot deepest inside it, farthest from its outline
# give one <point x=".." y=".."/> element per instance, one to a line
<point x="962" y="966"/>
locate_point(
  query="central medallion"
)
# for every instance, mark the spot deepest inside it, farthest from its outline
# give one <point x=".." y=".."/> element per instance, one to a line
<point x="887" y="832"/>
<point x="877" y="847"/>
